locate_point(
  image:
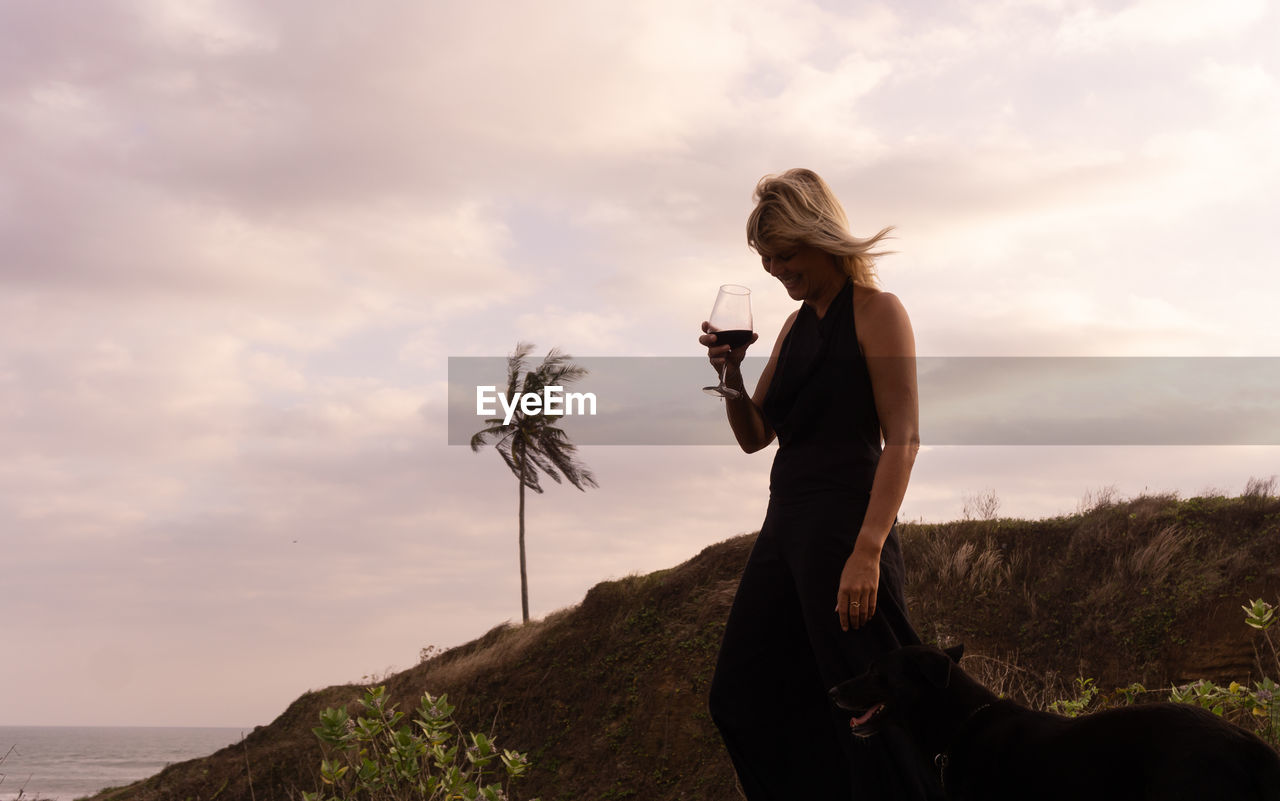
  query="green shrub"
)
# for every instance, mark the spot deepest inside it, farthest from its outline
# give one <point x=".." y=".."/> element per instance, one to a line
<point x="384" y="757"/>
<point x="1257" y="708"/>
<point x="1085" y="693"/>
<point x="1261" y="705"/>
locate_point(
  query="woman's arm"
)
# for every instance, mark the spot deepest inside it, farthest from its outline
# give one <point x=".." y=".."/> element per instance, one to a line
<point x="889" y="346"/>
<point x="746" y="419"/>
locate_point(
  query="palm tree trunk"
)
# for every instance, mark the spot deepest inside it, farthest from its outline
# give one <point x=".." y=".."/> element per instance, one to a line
<point x="524" y="575"/>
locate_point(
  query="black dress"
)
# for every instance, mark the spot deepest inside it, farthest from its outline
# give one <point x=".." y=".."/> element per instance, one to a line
<point x="783" y="647"/>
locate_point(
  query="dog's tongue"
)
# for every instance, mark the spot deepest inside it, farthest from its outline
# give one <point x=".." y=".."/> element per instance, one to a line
<point x="865" y="716"/>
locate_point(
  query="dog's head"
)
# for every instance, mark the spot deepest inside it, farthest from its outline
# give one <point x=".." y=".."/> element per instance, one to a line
<point x="899" y="684"/>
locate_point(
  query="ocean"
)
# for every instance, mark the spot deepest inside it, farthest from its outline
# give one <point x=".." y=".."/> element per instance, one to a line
<point x="56" y="763"/>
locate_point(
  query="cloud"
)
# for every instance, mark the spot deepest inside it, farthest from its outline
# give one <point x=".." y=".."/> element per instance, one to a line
<point x="1159" y="22"/>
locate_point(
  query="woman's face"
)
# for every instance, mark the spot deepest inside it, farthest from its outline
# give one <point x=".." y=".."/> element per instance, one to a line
<point x="806" y="272"/>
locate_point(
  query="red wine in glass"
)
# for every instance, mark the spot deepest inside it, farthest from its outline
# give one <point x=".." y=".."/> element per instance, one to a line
<point x="731" y="323"/>
<point x="734" y="338"/>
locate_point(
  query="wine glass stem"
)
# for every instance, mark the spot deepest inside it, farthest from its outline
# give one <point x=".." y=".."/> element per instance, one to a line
<point x="724" y="386"/>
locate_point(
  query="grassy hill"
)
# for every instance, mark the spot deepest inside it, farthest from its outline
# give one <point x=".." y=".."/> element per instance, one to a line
<point x="609" y="697"/>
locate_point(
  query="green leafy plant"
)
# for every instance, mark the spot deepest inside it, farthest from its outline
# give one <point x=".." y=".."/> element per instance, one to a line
<point x="1260" y="705"/>
<point x="385" y="756"/>
<point x="1257" y="708"/>
<point x="1130" y="695"/>
<point x="1206" y="695"/>
<point x="1085" y="693"/>
<point x="1262" y="616"/>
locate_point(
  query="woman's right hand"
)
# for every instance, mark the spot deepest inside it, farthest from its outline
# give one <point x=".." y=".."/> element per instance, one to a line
<point x="747" y="421"/>
<point x="722" y="354"/>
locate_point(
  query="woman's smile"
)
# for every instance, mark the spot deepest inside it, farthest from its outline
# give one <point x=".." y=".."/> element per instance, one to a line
<point x="806" y="272"/>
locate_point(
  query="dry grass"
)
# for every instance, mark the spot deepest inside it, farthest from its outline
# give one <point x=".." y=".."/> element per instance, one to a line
<point x="1145" y="560"/>
<point x="1259" y="487"/>
<point x="1096" y="499"/>
<point x="966" y="566"/>
<point x="1113" y="592"/>
<point x="1006" y="678"/>
<point x="506" y="645"/>
<point x="1152" y="562"/>
<point x="1259" y="492"/>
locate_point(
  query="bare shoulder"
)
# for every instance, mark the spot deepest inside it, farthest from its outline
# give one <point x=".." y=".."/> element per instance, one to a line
<point x="877" y="304"/>
<point x="882" y="322"/>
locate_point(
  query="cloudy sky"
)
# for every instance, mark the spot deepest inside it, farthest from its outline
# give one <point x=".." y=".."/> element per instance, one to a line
<point x="239" y="242"/>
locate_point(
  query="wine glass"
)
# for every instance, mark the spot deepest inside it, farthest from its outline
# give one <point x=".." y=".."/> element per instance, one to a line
<point x="731" y="323"/>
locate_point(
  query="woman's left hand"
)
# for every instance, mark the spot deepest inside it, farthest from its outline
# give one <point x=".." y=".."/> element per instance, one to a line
<point x="856" y="599"/>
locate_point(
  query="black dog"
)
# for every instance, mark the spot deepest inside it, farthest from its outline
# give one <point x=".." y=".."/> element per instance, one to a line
<point x="988" y="749"/>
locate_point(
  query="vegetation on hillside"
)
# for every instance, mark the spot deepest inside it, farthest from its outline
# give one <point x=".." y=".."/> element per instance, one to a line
<point x="608" y="698"/>
<point x="387" y="755"/>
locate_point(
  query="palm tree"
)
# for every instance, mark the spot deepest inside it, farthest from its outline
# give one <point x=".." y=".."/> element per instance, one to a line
<point x="532" y="443"/>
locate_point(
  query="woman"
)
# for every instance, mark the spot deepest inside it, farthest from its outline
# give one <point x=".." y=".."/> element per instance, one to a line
<point x="821" y="594"/>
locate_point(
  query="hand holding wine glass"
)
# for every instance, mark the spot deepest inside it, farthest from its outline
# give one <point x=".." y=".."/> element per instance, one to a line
<point x="730" y="325"/>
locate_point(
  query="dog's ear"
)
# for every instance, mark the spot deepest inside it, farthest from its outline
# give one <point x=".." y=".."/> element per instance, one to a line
<point x="955" y="652"/>
<point x="938" y="670"/>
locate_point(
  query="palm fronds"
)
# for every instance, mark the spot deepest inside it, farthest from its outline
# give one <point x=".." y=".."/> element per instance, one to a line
<point x="531" y="444"/>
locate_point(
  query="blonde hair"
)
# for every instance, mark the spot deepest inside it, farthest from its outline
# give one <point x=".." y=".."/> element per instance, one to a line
<point x="798" y="208"/>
